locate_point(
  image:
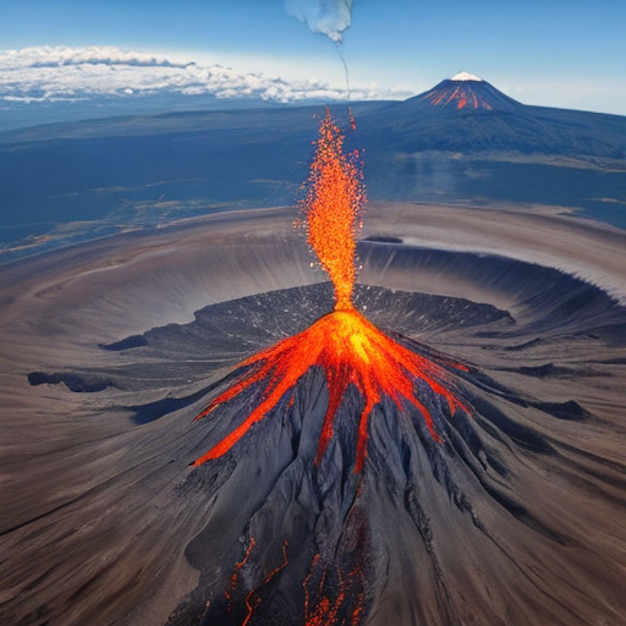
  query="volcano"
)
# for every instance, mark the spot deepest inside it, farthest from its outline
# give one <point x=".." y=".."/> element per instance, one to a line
<point x="351" y="351"/>
<point x="468" y="114"/>
<point x="464" y="92"/>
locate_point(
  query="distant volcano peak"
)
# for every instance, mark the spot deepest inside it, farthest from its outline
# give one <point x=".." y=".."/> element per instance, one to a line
<point x="466" y="92"/>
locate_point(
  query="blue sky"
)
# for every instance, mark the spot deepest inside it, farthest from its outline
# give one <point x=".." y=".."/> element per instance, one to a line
<point x="567" y="54"/>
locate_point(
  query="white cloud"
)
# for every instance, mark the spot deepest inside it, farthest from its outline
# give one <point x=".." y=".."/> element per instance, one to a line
<point x="47" y="73"/>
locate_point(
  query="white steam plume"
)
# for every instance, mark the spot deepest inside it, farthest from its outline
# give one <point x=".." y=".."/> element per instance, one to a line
<point x="327" y="17"/>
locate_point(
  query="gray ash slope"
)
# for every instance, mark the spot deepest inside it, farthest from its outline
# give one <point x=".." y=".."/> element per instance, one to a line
<point x="514" y="519"/>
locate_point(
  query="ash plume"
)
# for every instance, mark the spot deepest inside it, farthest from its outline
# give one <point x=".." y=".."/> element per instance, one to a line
<point x="326" y="17"/>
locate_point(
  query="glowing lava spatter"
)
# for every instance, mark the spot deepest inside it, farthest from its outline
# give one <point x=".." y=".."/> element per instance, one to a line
<point x="344" y="344"/>
<point x="334" y="205"/>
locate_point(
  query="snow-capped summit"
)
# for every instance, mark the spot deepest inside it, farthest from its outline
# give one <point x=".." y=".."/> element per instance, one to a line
<point x="466" y="76"/>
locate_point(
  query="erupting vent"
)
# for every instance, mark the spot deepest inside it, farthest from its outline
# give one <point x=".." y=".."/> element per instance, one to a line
<point x="345" y="345"/>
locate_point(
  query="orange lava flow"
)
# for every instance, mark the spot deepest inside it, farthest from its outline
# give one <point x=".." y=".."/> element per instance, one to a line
<point x="349" y="349"/>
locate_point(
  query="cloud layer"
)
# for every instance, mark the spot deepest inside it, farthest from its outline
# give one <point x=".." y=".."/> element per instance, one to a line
<point x="61" y="73"/>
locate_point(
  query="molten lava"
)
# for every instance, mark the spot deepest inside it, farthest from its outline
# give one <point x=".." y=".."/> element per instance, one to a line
<point x="345" y="345"/>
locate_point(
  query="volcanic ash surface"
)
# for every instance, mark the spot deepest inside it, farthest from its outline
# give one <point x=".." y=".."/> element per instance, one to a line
<point x="513" y="516"/>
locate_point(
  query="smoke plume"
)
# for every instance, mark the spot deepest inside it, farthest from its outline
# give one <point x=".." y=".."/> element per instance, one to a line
<point x="327" y="17"/>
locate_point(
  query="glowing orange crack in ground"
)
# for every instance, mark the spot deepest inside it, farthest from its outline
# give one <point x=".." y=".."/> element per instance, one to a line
<point x="349" y="348"/>
<point x="253" y="594"/>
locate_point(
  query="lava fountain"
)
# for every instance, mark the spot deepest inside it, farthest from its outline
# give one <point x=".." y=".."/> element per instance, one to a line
<point x="349" y="349"/>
